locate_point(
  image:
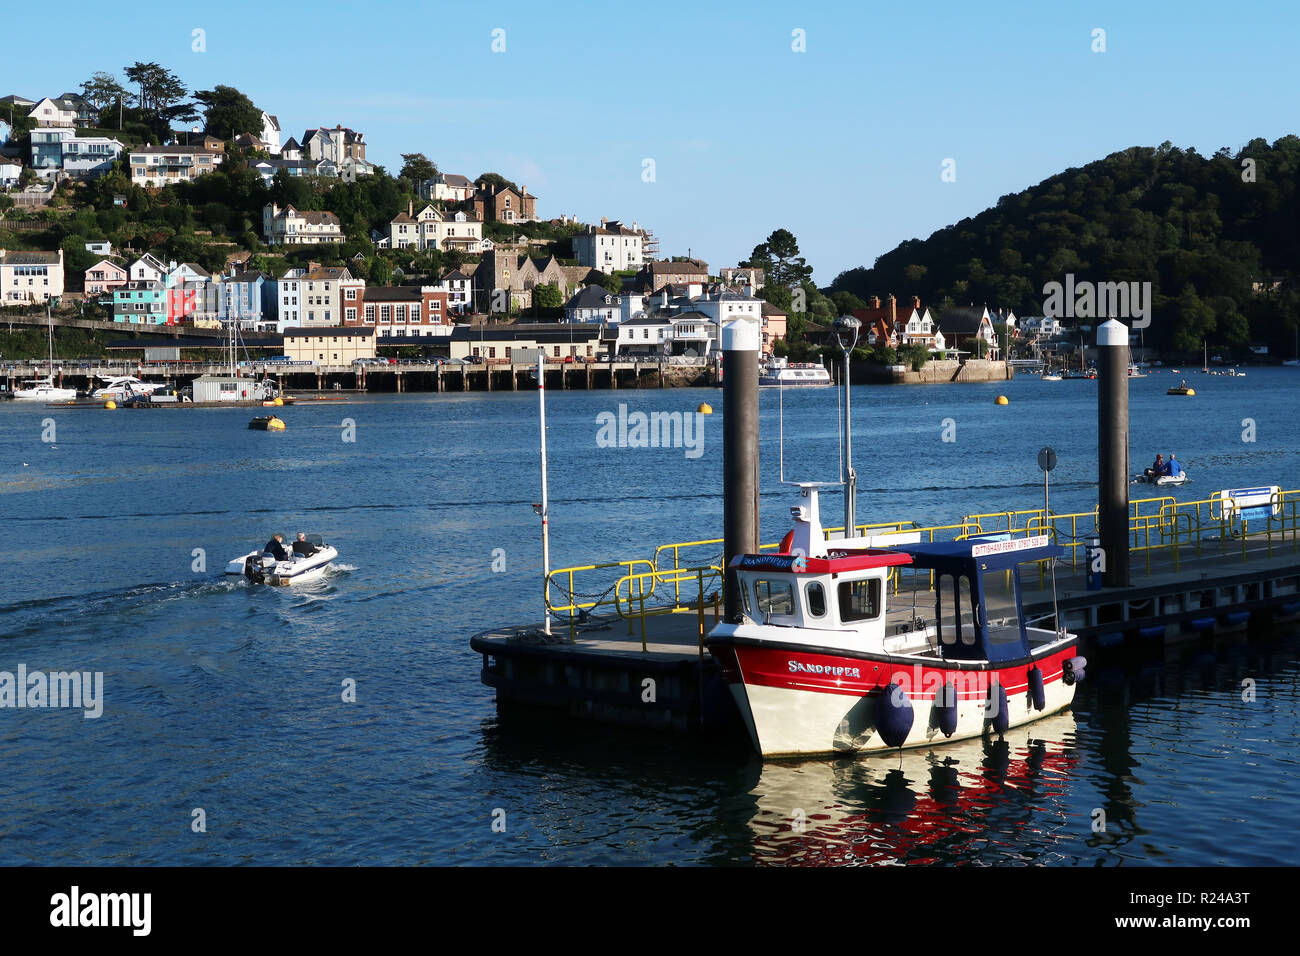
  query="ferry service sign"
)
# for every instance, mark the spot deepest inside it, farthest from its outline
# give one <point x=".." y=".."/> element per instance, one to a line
<point x="1005" y="547"/>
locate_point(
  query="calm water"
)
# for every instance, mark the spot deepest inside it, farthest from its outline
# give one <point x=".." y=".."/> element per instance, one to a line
<point x="226" y="698"/>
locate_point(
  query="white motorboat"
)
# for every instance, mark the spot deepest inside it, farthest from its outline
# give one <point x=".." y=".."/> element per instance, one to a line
<point x="1050" y="377"/>
<point x="828" y="658"/>
<point x="258" y="567"/>
<point x="43" y="390"/>
<point x="778" y="373"/>
<point x="124" y="387"/>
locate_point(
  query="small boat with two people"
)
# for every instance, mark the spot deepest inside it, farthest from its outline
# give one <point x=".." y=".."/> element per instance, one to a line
<point x="267" y="423"/>
<point x="274" y="564"/>
<point x="824" y="658"/>
<point x="1163" y="472"/>
<point x="779" y="373"/>
<point x="1182" y="389"/>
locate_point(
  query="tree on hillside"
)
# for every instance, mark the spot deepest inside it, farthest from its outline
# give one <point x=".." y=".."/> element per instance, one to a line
<point x="496" y="180"/>
<point x="228" y="112"/>
<point x="161" y="92"/>
<point x="102" y="89"/>
<point x="780" y="261"/>
<point x="417" y="168"/>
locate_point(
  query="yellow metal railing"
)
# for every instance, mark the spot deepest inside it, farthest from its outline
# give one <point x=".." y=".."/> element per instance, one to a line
<point x="678" y="576"/>
<point x="631" y="593"/>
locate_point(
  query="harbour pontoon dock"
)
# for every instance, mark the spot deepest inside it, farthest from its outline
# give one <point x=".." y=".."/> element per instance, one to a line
<point x="1200" y="569"/>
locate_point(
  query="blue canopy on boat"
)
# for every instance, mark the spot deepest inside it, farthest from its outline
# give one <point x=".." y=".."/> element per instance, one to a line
<point x="960" y="599"/>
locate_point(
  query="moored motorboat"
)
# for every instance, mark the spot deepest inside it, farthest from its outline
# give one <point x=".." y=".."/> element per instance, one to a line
<point x="267" y="423"/>
<point x="779" y="373"/>
<point x="819" y="664"/>
<point x="124" y="387"/>
<point x="258" y="567"/>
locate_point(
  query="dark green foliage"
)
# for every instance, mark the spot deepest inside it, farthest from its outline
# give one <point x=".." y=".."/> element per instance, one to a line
<point x="1201" y="229"/>
<point x="228" y="112"/>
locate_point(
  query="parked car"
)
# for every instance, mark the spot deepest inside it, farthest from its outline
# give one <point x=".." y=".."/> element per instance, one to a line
<point x="477" y="360"/>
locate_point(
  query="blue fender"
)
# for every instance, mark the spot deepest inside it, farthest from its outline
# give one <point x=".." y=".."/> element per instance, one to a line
<point x="894" y="715"/>
<point x="1037" y="695"/>
<point x="1000" y="718"/>
<point x="945" y="709"/>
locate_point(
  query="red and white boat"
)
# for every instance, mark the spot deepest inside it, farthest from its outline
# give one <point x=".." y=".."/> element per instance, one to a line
<point x="820" y="664"/>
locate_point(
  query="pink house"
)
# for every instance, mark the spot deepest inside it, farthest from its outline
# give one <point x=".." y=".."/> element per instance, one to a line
<point x="104" y="276"/>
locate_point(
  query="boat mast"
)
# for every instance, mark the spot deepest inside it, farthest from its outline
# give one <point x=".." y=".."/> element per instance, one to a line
<point x="50" y="319"/>
<point x="846" y="330"/>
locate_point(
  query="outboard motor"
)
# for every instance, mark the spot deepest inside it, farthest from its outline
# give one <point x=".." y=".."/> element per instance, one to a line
<point x="253" y="569"/>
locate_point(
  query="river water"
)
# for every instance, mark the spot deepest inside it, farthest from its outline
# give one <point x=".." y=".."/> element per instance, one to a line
<point x="225" y="736"/>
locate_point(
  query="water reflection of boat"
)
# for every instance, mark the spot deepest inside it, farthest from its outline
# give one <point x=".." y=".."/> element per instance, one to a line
<point x="920" y="806"/>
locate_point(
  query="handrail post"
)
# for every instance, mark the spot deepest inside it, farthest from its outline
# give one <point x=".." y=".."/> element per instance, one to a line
<point x="700" y="606"/>
<point x="641" y="592"/>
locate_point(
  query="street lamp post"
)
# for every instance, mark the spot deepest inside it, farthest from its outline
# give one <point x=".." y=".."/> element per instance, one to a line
<point x="846" y="334"/>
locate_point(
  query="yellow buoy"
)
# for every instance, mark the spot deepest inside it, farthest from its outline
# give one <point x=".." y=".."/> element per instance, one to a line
<point x="705" y="408"/>
<point x="110" y="404"/>
<point x="1002" y="400"/>
<point x="279" y="401"/>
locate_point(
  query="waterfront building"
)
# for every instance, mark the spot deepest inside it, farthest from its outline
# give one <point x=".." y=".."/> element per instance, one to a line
<point x="148" y="268"/>
<point x="458" y="284"/>
<point x="402" y="311"/>
<point x="964" y="327"/>
<point x="140" y="302"/>
<point x="329" y="346"/>
<point x="248" y="298"/>
<point x="504" y="343"/>
<point x="317" y="296"/>
<point x="29" y="277"/>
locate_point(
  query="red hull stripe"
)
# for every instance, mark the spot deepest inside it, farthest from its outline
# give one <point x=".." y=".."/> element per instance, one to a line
<point x="856" y="676"/>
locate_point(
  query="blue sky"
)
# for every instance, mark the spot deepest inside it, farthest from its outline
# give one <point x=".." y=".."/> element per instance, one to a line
<point x="842" y="144"/>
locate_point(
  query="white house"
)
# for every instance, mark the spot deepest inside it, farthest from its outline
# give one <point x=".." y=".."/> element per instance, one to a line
<point x="148" y="269"/>
<point x="86" y="157"/>
<point x="593" y="304"/>
<point x="49" y="113"/>
<point x="290" y="227"/>
<point x="30" y="276"/>
<point x="100" y="247"/>
<point x="271" y="133"/>
<point x="164" y="165"/>
<point x="459" y="287"/>
<point x="10" y="170"/>
<point x="610" y="247"/>
<point x="447" y="187"/>
<point x="288" y="291"/>
<point x="431" y="228"/>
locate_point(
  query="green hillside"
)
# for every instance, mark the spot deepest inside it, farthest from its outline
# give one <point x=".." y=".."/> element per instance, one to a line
<point x="1216" y="236"/>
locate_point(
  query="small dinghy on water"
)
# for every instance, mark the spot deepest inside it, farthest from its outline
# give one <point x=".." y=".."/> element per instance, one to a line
<point x="259" y="567"/>
<point x="1147" y="478"/>
<point x="267" y="423"/>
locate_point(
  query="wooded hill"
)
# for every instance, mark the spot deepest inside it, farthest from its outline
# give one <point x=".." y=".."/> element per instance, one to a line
<point x="1216" y="236"/>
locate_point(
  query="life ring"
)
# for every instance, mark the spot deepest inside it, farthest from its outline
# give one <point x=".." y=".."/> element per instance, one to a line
<point x="787" y="542"/>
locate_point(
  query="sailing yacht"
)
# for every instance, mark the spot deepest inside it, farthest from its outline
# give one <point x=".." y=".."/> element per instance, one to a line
<point x="44" y="389"/>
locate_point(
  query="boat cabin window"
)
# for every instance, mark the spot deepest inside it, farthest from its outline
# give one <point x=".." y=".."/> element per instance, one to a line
<point x="1002" y="608"/>
<point x="859" y="600"/>
<point x="774" y="597"/>
<point x="957" y="614"/>
<point x="816" y="600"/>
